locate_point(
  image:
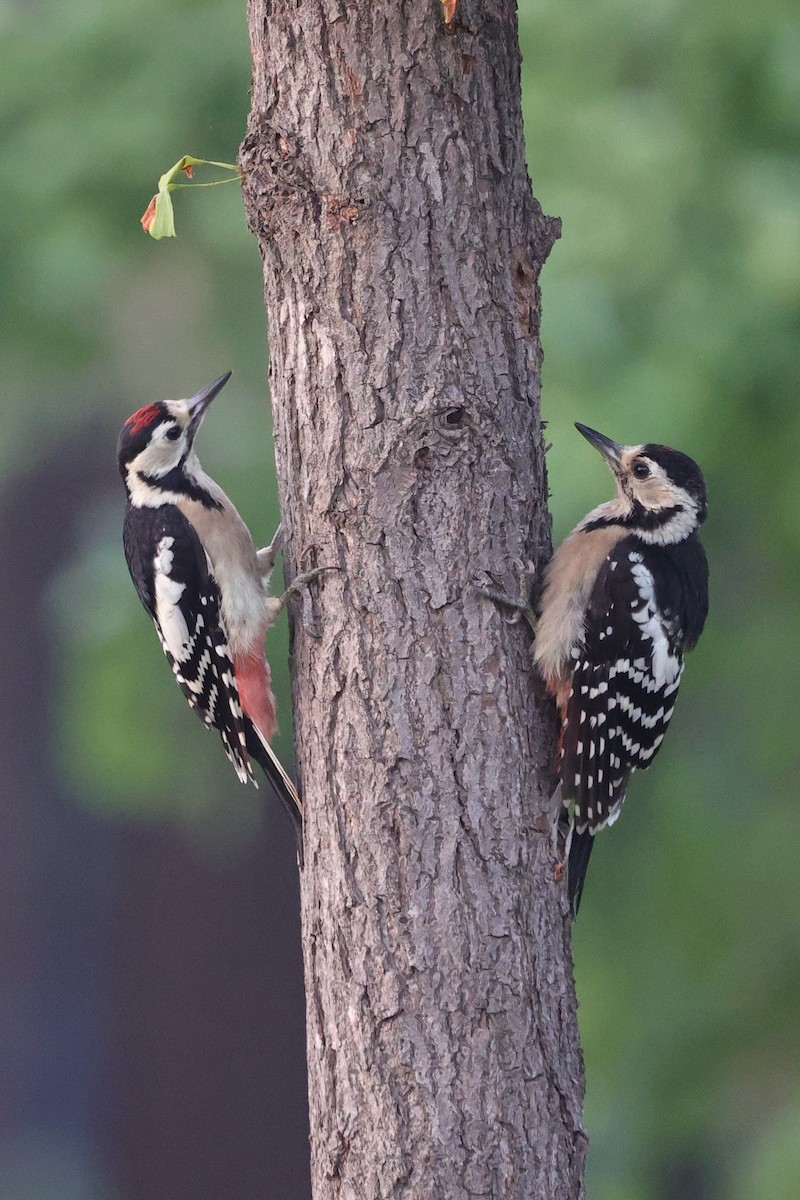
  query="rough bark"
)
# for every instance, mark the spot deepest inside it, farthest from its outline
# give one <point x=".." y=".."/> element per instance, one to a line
<point x="385" y="179"/>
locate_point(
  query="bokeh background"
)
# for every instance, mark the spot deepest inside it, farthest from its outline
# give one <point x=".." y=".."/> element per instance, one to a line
<point x="151" y="1028"/>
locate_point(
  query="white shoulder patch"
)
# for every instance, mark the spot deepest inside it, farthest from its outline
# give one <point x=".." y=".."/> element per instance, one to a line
<point x="168" y="591"/>
<point x="665" y="667"/>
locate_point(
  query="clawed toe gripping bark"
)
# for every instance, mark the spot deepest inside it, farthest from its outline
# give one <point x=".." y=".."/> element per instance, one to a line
<point x="384" y="175"/>
<point x="521" y="605"/>
<point x="299" y="587"/>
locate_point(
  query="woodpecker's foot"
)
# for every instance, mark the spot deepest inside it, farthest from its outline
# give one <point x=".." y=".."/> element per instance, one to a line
<point x="266" y="557"/>
<point x="563" y="829"/>
<point x="520" y="605"/>
<point x="299" y="587"/>
<point x="300" y="583"/>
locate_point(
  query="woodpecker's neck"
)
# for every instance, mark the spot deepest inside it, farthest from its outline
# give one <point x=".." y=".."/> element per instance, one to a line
<point x="185" y="481"/>
<point x="656" y="526"/>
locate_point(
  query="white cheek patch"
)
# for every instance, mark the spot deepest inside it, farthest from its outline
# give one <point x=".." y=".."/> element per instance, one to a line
<point x="657" y="493"/>
<point x="160" y="454"/>
<point x="159" y="457"/>
<point x="165" y="452"/>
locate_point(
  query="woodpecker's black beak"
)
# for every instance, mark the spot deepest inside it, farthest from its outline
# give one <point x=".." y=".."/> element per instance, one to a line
<point x="611" y="451"/>
<point x="201" y="400"/>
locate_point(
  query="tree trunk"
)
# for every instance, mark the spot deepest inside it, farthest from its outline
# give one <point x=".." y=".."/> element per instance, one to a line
<point x="385" y="180"/>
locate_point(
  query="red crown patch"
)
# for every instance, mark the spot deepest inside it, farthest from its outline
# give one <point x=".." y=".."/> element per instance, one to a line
<point x="141" y="419"/>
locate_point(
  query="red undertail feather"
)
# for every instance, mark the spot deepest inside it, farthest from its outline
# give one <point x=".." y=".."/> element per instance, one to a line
<point x="255" y="692"/>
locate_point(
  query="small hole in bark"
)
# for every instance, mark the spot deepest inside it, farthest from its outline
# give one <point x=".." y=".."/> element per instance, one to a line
<point x="455" y="417"/>
<point x="422" y="458"/>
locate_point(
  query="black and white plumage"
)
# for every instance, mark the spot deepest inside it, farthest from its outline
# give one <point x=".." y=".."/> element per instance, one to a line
<point x="176" y="585"/>
<point x="625" y="597"/>
<point x="198" y="574"/>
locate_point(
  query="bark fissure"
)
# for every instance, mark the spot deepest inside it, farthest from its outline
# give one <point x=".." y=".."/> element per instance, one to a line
<point x="384" y="178"/>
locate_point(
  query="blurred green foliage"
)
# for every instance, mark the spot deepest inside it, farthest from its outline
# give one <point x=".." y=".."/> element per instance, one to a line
<point x="665" y="135"/>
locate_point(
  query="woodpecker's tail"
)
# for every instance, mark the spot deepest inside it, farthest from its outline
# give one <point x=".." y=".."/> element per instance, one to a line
<point x="283" y="787"/>
<point x="579" y="853"/>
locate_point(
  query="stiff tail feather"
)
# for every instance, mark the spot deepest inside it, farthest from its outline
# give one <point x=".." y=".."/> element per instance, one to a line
<point x="579" y="853"/>
<point x="278" y="779"/>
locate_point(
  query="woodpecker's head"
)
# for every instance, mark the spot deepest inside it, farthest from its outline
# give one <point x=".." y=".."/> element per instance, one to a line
<point x="155" y="446"/>
<point x="661" y="494"/>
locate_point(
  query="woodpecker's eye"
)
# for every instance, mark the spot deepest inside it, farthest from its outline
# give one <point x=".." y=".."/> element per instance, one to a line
<point x="641" y="470"/>
<point x="173" y="433"/>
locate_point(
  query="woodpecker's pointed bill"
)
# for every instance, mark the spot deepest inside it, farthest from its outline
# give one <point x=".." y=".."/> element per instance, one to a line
<point x="611" y="451"/>
<point x="198" y="404"/>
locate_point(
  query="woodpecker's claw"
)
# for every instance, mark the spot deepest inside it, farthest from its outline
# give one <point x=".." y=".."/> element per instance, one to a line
<point x="563" y="829"/>
<point x="517" y="610"/>
<point x="521" y="605"/>
<point x="299" y="587"/>
<point x="300" y="582"/>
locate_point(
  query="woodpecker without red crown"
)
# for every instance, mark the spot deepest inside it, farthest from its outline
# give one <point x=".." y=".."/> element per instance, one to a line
<point x="198" y="574"/>
<point x="625" y="596"/>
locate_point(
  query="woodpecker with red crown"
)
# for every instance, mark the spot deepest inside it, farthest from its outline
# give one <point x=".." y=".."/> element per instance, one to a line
<point x="197" y="572"/>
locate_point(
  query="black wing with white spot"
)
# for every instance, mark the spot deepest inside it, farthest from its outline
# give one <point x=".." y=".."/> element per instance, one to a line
<point x="640" y="620"/>
<point x="173" y="576"/>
